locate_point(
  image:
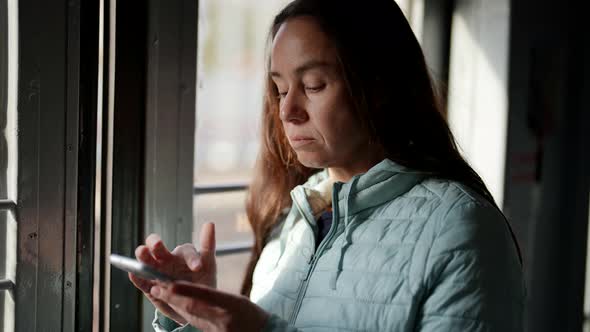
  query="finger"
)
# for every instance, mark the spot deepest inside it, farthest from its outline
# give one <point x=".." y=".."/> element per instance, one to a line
<point x="194" y="319"/>
<point x="189" y="254"/>
<point x="207" y="242"/>
<point x="142" y="284"/>
<point x="186" y="306"/>
<point x="157" y="247"/>
<point x="204" y="294"/>
<point x="143" y="254"/>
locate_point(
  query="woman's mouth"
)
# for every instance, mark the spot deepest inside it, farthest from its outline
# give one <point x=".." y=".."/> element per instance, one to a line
<point x="299" y="141"/>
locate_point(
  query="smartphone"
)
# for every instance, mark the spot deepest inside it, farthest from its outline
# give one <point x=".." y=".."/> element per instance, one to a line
<point x="138" y="268"/>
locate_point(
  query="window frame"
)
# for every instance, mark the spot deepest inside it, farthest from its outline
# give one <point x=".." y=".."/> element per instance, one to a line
<point x="53" y="111"/>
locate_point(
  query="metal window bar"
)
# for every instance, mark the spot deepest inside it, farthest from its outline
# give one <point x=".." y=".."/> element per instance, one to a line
<point x="216" y="189"/>
<point x="6" y="285"/>
<point x="7" y="205"/>
<point x="233" y="248"/>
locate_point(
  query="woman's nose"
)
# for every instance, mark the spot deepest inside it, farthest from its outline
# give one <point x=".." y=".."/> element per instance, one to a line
<point x="292" y="109"/>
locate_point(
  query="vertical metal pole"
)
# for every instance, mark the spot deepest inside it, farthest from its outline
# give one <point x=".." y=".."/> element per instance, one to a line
<point x="110" y="34"/>
<point x="88" y="61"/>
<point x="127" y="134"/>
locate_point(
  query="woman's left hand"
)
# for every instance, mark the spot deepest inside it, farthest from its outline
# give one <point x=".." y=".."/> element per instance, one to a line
<point x="209" y="309"/>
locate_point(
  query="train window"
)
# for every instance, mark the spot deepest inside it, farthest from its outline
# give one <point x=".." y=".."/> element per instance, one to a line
<point x="233" y="234"/>
<point x="8" y="160"/>
<point x="231" y="46"/>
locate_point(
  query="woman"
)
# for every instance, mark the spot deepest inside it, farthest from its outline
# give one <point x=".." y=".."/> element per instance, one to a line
<point x="365" y="215"/>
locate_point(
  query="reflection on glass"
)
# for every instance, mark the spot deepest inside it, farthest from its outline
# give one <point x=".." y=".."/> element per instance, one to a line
<point x="230" y="71"/>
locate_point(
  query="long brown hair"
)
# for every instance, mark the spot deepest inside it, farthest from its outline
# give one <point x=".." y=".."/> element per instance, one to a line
<point x="393" y="95"/>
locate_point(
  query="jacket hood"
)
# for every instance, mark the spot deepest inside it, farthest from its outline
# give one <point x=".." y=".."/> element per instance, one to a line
<point x="382" y="183"/>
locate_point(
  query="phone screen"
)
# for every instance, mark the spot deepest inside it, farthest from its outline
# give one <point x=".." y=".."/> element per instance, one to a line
<point x="138" y="268"/>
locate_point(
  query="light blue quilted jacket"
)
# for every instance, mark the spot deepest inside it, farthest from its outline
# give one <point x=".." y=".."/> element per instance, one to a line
<point x="405" y="253"/>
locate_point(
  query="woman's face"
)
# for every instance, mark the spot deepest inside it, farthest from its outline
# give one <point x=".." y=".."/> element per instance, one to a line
<point x="315" y="107"/>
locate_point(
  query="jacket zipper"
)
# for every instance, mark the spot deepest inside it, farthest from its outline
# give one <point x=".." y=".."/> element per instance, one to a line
<point x="311" y="265"/>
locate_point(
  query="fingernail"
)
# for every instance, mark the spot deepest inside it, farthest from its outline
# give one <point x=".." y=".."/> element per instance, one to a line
<point x="155" y="291"/>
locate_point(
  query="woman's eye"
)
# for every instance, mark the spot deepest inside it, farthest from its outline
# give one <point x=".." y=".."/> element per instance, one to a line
<point x="316" y="88"/>
<point x="281" y="95"/>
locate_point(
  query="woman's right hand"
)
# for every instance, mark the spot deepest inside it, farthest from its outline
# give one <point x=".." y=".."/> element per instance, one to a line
<point x="184" y="262"/>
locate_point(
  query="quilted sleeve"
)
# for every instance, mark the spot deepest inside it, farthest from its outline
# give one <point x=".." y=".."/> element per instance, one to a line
<point x="164" y="324"/>
<point x="473" y="278"/>
<point x="277" y="324"/>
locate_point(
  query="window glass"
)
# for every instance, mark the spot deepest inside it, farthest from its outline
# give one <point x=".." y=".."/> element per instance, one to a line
<point x="230" y="72"/>
<point x="230" y="272"/>
<point x="231" y="56"/>
<point x="231" y="227"/>
<point x="226" y="210"/>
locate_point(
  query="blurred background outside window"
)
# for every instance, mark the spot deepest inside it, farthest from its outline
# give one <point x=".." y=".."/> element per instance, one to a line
<point x="230" y="82"/>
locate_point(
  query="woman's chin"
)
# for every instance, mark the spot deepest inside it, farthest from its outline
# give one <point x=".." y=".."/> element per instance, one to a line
<point x="311" y="160"/>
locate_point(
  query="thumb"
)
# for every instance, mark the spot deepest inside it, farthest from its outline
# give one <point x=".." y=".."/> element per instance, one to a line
<point x="207" y="242"/>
